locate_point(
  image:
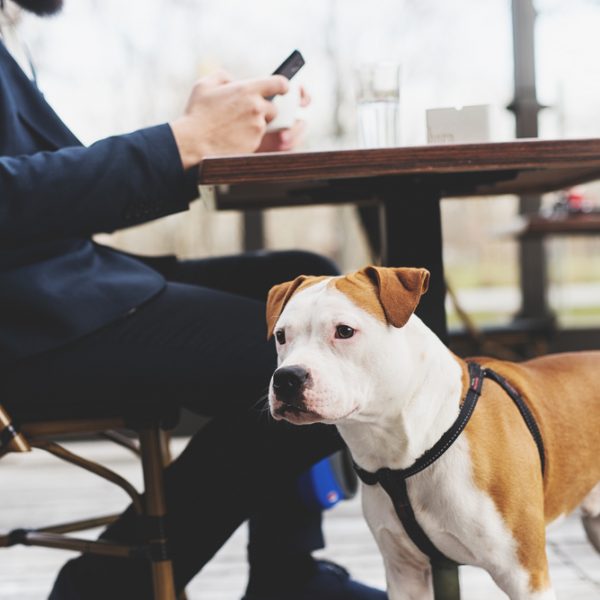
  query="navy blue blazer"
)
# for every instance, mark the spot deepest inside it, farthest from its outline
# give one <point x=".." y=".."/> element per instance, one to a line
<point x="56" y="285"/>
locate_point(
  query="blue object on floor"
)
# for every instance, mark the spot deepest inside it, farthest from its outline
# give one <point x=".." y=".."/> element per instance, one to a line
<point x="328" y="482"/>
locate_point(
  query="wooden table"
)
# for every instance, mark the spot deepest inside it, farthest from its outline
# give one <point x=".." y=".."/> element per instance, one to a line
<point x="408" y="184"/>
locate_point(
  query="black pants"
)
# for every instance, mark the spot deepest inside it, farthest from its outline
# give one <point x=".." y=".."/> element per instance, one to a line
<point x="201" y="344"/>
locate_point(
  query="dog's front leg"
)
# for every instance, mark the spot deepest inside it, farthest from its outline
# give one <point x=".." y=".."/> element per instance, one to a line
<point x="408" y="582"/>
<point x="407" y="571"/>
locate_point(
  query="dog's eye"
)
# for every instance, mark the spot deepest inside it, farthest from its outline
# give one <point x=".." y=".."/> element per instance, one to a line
<point x="344" y="332"/>
<point x="280" y="335"/>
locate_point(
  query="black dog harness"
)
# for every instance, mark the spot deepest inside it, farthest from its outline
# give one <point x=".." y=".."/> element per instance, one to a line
<point x="393" y="481"/>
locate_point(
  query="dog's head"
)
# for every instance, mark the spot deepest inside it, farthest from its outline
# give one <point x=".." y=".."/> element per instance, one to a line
<point x="340" y="341"/>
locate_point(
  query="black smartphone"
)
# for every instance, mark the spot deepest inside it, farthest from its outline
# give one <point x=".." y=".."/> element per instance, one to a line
<point x="289" y="67"/>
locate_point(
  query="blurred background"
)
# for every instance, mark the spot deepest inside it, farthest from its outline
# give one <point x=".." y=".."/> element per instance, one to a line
<point x="109" y="66"/>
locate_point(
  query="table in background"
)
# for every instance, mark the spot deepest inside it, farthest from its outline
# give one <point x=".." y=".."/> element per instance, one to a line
<point x="560" y="224"/>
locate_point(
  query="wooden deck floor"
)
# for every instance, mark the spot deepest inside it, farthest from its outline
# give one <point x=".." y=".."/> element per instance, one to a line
<point x="29" y="496"/>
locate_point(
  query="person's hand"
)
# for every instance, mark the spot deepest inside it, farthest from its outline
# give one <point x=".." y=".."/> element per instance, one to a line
<point x="283" y="140"/>
<point x="225" y="117"/>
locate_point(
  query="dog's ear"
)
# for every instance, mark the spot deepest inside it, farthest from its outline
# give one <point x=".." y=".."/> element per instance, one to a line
<point x="399" y="290"/>
<point x="277" y="299"/>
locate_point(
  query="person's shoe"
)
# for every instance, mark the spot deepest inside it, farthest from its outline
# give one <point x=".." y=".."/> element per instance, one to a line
<point x="328" y="582"/>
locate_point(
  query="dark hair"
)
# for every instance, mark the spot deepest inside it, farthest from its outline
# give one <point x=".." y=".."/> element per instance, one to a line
<point x="40" y="7"/>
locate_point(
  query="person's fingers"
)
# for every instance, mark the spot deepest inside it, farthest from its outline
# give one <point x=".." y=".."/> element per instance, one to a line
<point x="269" y="142"/>
<point x="305" y="98"/>
<point x="219" y="77"/>
<point x="291" y="137"/>
<point x="283" y="139"/>
<point x="297" y="129"/>
<point x="270" y="110"/>
<point x="275" y="141"/>
<point x="269" y="86"/>
<point x="286" y="140"/>
<point x="222" y="76"/>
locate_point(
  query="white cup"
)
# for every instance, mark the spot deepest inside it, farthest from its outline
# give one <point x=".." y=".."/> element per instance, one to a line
<point x="288" y="108"/>
<point x="378" y="102"/>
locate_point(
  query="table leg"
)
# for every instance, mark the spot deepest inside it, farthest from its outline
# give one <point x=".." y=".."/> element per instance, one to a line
<point x="412" y="237"/>
<point x="533" y="273"/>
<point x="254" y="230"/>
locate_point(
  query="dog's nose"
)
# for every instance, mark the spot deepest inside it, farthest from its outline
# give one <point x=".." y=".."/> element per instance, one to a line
<point x="288" y="382"/>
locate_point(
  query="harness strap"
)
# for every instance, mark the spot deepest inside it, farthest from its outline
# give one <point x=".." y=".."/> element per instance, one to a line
<point x="398" y="492"/>
<point x="476" y="374"/>
<point x="525" y="413"/>
<point x="393" y="481"/>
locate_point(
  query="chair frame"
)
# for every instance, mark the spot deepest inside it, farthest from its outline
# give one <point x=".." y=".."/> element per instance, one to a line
<point x="153" y="449"/>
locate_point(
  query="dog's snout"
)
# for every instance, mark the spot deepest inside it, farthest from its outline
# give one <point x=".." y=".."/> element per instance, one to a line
<point x="289" y="381"/>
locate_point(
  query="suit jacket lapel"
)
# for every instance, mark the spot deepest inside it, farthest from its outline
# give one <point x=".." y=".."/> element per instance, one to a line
<point x="33" y="109"/>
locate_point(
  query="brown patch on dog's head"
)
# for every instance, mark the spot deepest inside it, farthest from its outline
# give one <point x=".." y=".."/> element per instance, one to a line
<point x="389" y="294"/>
<point x="279" y="296"/>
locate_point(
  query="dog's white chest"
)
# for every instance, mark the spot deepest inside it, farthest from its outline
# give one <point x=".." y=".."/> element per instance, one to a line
<point x="460" y="520"/>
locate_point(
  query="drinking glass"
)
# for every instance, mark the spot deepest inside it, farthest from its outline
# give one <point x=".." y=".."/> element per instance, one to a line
<point x="378" y="100"/>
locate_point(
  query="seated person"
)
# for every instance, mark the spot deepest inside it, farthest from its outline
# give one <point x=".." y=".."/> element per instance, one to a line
<point x="87" y="330"/>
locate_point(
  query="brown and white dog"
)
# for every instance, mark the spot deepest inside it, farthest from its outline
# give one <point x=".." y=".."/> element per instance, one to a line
<point x="353" y="353"/>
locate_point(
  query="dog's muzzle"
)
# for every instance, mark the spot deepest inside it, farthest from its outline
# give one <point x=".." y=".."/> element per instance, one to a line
<point x="289" y="384"/>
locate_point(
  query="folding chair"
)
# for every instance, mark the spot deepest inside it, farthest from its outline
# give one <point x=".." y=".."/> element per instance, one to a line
<point x="153" y="450"/>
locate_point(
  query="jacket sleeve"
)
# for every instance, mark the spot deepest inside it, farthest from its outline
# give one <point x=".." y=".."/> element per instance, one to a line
<point x="77" y="191"/>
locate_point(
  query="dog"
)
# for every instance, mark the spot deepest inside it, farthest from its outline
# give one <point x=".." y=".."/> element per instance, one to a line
<point x="351" y="352"/>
